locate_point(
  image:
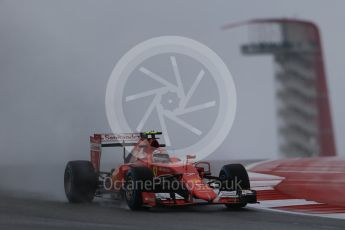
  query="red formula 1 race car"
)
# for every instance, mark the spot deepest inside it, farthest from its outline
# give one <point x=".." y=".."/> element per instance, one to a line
<point x="151" y="177"/>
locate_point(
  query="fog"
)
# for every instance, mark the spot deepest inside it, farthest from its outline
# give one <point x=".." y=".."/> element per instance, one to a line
<point x="56" y="58"/>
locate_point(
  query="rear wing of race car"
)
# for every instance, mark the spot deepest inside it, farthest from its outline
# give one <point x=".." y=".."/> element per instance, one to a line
<point x="97" y="141"/>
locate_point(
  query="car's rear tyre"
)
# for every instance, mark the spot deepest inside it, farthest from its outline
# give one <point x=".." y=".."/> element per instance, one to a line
<point x="136" y="179"/>
<point x="234" y="177"/>
<point x="80" y="181"/>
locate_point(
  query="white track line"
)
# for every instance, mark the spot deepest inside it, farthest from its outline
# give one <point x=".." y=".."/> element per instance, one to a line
<point x="285" y="202"/>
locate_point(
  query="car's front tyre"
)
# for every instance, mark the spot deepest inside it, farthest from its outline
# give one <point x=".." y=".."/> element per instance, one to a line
<point x="234" y="177"/>
<point x="136" y="180"/>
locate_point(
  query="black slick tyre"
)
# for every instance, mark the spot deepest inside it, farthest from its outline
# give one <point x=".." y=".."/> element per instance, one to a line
<point x="136" y="179"/>
<point x="80" y="181"/>
<point x="234" y="177"/>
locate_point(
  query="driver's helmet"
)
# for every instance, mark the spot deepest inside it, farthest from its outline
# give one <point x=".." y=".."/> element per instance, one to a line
<point x="160" y="156"/>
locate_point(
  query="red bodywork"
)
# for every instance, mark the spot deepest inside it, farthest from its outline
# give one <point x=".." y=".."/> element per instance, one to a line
<point x="141" y="154"/>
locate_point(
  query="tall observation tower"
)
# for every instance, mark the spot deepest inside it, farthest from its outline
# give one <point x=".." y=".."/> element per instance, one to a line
<point x="303" y="112"/>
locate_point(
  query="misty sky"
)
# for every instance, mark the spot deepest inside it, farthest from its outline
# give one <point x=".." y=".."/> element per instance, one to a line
<point x="56" y="58"/>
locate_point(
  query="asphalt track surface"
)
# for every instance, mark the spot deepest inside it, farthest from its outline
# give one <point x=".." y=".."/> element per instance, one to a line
<point x="33" y="213"/>
<point x="22" y="207"/>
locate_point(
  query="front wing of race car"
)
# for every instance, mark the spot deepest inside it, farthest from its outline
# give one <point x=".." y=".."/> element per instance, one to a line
<point x="174" y="199"/>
